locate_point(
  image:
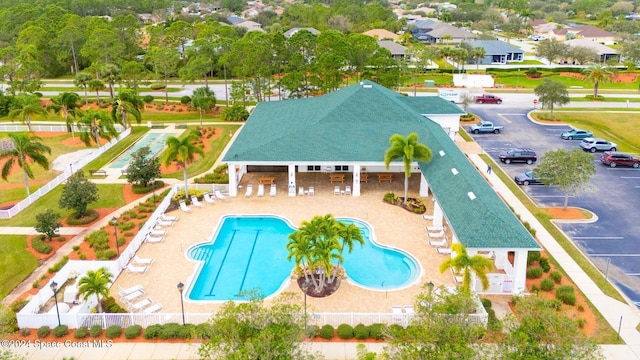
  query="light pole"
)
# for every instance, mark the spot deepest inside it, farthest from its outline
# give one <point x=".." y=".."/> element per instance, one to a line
<point x="181" y="288"/>
<point x="305" y="287"/>
<point x="71" y="167"/>
<point x="54" y="287"/>
<point x="115" y="232"/>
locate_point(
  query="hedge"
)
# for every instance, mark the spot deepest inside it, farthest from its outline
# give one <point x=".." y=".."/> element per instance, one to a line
<point x="113" y="331"/>
<point x="40" y="246"/>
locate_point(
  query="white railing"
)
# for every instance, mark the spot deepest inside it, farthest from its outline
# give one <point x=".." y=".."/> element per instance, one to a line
<point x="46" y="128"/>
<point x="9" y="213"/>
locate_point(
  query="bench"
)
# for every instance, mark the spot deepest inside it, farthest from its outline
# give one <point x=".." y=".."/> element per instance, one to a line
<point x="385" y="177"/>
<point x="267" y="180"/>
<point x="364" y="178"/>
<point x="97" y="172"/>
<point x="336" y="178"/>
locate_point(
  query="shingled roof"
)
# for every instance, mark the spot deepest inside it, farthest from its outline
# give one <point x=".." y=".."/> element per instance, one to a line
<point x="354" y="125"/>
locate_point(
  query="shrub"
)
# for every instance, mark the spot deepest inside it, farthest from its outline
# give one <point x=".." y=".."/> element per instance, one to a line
<point x="113" y="331"/>
<point x="153" y="331"/>
<point x="60" y="331"/>
<point x="106" y="254"/>
<point x="493" y="323"/>
<point x="43" y="331"/>
<point x="98" y="240"/>
<point x="345" y="331"/>
<point x="17" y="305"/>
<point x="170" y="331"/>
<point x="90" y="216"/>
<point x="40" y="246"/>
<point x="396" y="330"/>
<point x="57" y="266"/>
<point x="187" y="331"/>
<point x="376" y="331"/>
<point x="580" y="308"/>
<point x="312" y="331"/>
<point x="544" y="264"/>
<point x="111" y="306"/>
<point x="555" y="304"/>
<point x="390" y="197"/>
<point x="486" y="303"/>
<point x="547" y="284"/>
<point x="132" y="332"/>
<point x="76" y="248"/>
<point x="81" y="332"/>
<point x="327" y="332"/>
<point x="185" y="100"/>
<point x="535" y="289"/>
<point x="556" y="276"/>
<point x="534" y="272"/>
<point x="128" y="225"/>
<point x="531" y="230"/>
<point x="148" y="99"/>
<point x="156" y="86"/>
<point x="95" y="330"/>
<point x="204" y="330"/>
<point x="581" y="323"/>
<point x="25" y="332"/>
<point x="566" y="294"/>
<point x="532" y="257"/>
<point x="360" y="332"/>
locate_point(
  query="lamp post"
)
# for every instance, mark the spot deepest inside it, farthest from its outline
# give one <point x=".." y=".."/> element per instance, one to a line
<point x="114" y="221"/>
<point x="54" y="287"/>
<point x="305" y="287"/>
<point x="181" y="288"/>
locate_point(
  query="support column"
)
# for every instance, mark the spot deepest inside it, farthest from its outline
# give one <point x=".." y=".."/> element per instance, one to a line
<point x="292" y="180"/>
<point x="437" y="214"/>
<point x="424" y="186"/>
<point x="520" y="271"/>
<point x="356" y="181"/>
<point x="233" y="180"/>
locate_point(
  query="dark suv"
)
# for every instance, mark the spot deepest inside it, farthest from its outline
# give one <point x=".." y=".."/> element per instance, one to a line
<point x="519" y="155"/>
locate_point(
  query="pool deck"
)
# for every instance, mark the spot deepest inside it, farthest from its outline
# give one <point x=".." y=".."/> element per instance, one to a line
<point x="392" y="225"/>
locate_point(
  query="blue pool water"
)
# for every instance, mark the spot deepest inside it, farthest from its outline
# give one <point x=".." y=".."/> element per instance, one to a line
<point x="154" y="141"/>
<point x="248" y="253"/>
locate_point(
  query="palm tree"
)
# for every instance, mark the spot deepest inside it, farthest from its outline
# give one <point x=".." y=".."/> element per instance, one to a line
<point x="26" y="150"/>
<point x="462" y="262"/>
<point x="408" y="149"/>
<point x="66" y="103"/>
<point x="27" y="105"/>
<point x="299" y="247"/>
<point x="183" y="152"/>
<point x="96" y="85"/>
<point x="111" y="73"/>
<point x="348" y="235"/>
<point x="82" y="80"/>
<point x="203" y="99"/>
<point x="95" y="283"/>
<point x="127" y="102"/>
<point x="478" y="53"/>
<point x="96" y="124"/>
<point x="597" y="73"/>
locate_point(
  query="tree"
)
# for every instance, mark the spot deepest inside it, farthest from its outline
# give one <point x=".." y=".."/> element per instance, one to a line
<point x="143" y="167"/>
<point x="82" y="80"/>
<point x="464" y="263"/>
<point x="111" y="73"/>
<point x="597" y="73"/>
<point x="551" y="49"/>
<point x="235" y="112"/>
<point x="568" y="170"/>
<point x="408" y="149"/>
<point x="203" y="99"/>
<point x="95" y="283"/>
<point x="96" y="124"/>
<point x="96" y="85"/>
<point x="542" y="332"/>
<point x="250" y="330"/>
<point x="478" y="53"/>
<point x="67" y="103"/>
<point x="47" y="223"/>
<point x="27" y="149"/>
<point x="183" y="152"/>
<point x="25" y="107"/>
<point x="552" y="93"/>
<point x="165" y="62"/>
<point x="127" y="102"/>
<point x="77" y="193"/>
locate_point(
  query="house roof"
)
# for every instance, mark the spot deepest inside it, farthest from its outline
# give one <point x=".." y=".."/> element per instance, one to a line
<point x="440" y="30"/>
<point x="381" y="34"/>
<point x="394" y="48"/>
<point x="589" y="31"/>
<point x="232" y="19"/>
<point x="354" y="124"/>
<point x="289" y="33"/>
<point x="493" y="47"/>
<point x="593" y="45"/>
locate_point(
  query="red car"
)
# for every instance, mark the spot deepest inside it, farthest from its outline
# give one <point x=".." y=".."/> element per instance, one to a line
<point x="488" y="99"/>
<point x="614" y="158"/>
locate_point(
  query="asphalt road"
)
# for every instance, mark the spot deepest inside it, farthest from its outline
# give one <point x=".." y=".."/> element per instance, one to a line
<point x="613" y="194"/>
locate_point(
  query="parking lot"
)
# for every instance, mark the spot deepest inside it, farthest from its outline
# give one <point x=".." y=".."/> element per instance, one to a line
<point x="613" y="194"/>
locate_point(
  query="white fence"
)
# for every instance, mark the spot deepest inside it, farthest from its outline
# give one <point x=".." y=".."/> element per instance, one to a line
<point x="9" y="213"/>
<point x="46" y="128"/>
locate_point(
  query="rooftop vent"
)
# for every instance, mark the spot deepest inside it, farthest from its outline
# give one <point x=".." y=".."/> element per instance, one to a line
<point x="442" y="153"/>
<point x="471" y="195"/>
<point x="454" y="171"/>
<point x="367" y="86"/>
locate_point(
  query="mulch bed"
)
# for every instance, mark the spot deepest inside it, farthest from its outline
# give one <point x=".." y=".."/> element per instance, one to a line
<point x="327" y="290"/>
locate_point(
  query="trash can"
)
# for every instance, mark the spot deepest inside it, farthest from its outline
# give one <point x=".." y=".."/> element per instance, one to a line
<point x="429" y="83"/>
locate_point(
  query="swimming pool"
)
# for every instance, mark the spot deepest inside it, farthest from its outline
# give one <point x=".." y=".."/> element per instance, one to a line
<point x="249" y="253"/>
<point x="155" y="142"/>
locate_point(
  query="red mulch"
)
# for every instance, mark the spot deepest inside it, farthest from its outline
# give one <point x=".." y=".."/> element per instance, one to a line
<point x="570" y="213"/>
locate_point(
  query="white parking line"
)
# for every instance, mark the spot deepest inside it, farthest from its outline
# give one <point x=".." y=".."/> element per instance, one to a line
<point x="513" y="114"/>
<point x="632" y="274"/>
<point x="550" y="196"/>
<point x="598" y="237"/>
<point x="504" y="118"/>
<point x="629" y="177"/>
<point x="614" y="255"/>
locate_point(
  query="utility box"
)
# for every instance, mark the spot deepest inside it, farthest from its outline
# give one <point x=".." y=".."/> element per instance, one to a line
<point x="429" y="83"/>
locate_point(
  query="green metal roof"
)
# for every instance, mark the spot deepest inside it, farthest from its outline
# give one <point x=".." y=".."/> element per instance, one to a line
<point x="354" y="125"/>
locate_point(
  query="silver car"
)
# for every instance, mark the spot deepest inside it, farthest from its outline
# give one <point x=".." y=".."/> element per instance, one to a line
<point x="597" y="144"/>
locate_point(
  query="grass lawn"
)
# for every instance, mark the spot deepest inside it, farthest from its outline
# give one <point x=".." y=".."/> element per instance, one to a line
<point x="110" y="197"/>
<point x="117" y="149"/>
<point x="16" y="263"/>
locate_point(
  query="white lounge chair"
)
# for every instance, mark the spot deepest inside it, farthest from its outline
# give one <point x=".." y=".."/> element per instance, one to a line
<point x="154" y="239"/>
<point x="427" y="217"/>
<point x="195" y="202"/>
<point x="249" y="191"/>
<point x="184" y="207"/>
<point x="312" y="191"/>
<point x="134" y="295"/>
<point x="396" y="313"/>
<point x="260" y="189"/>
<point x="301" y="191"/>
<point x="336" y="190"/>
<point x="166" y="217"/>
<point x="459" y="279"/>
<point x="163" y="223"/>
<point x="130" y="290"/>
<point x="444" y="251"/>
<point x="152" y="309"/>
<point x="436" y="235"/>
<point x="347" y="190"/>
<point x="156" y="232"/>
<point x="434" y="228"/>
<point x="137" y="269"/>
<point x="273" y="190"/>
<point x="487" y="254"/>
<point x="208" y="199"/>
<point x="439" y="243"/>
<point x="141" y="304"/>
<point x="142" y="261"/>
<point x="219" y="195"/>
<point x="408" y="309"/>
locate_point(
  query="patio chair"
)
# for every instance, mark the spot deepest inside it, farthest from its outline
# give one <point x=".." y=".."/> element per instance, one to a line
<point x="219" y="195"/>
<point x="152" y="309"/>
<point x="136" y="269"/>
<point x="347" y="190"/>
<point x="260" y="189"/>
<point x="142" y="261"/>
<point x="195" y="201"/>
<point x="155" y="232"/>
<point x="154" y="239"/>
<point x="208" y="199"/>
<point x="163" y="223"/>
<point x="300" y="191"/>
<point x="249" y="191"/>
<point x="396" y="314"/>
<point x="312" y="191"/>
<point x="458" y="279"/>
<point x="336" y="190"/>
<point x="435" y="228"/>
<point x="130" y="297"/>
<point x="273" y="190"/>
<point x="444" y="251"/>
<point x="141" y="304"/>
<point x="436" y="235"/>
<point x="427" y="217"/>
<point x="130" y="290"/>
<point x="408" y="309"/>
<point x="184" y="207"/>
<point x="439" y="243"/>
<point x="166" y="217"/>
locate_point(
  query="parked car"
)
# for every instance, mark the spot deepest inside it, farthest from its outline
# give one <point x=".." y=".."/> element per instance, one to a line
<point x="576" y="134"/>
<point x="614" y="158"/>
<point x="518" y="155"/>
<point x="527" y="178"/>
<point x="485" y="127"/>
<point x="488" y="99"/>
<point x="597" y="144"/>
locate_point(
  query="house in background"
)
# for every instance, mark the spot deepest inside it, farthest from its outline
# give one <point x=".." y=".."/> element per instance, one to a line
<point x="592" y="33"/>
<point x="432" y="31"/>
<point x="382" y="34"/>
<point x="497" y="52"/>
<point x="604" y="52"/>
<point x="289" y="33"/>
<point x="398" y="52"/>
<point x="250" y="25"/>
